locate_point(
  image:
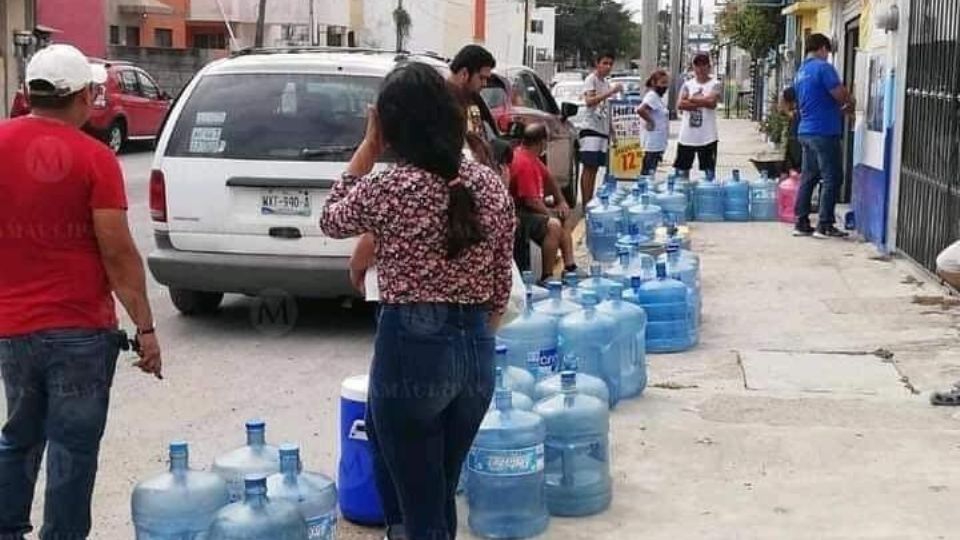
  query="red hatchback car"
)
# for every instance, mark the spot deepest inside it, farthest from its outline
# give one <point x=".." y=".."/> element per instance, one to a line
<point x="130" y="106"/>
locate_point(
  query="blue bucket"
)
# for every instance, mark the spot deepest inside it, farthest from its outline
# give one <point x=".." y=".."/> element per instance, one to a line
<point x="359" y="499"/>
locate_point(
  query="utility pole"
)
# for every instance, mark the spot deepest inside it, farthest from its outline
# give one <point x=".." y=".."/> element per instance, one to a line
<point x="650" y="39"/>
<point x="261" y="20"/>
<point x="313" y="26"/>
<point x="675" y="41"/>
<point x="526" y="28"/>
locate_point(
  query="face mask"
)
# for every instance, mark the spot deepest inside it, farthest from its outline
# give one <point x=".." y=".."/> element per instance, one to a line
<point x="661" y="90"/>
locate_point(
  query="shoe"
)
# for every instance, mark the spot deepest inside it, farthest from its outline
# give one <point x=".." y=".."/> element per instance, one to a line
<point x="803" y="229"/>
<point x="829" y="231"/>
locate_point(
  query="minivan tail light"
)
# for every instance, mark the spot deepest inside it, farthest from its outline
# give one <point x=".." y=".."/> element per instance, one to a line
<point x="100" y="96"/>
<point x="158" y="196"/>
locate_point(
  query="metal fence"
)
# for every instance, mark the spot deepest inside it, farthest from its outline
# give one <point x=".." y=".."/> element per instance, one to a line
<point x="930" y="178"/>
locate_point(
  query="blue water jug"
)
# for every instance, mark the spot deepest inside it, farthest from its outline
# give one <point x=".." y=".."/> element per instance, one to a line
<point x="313" y="493"/>
<point x="682" y="270"/>
<point x="505" y="478"/>
<point x="645" y="216"/>
<point x="591" y="337"/>
<point x="673" y="203"/>
<point x="258" y="517"/>
<point x="609" y="187"/>
<point x="577" y="457"/>
<point x="256" y="457"/>
<point x="630" y="264"/>
<point x="586" y="384"/>
<point x="763" y="199"/>
<point x="631" y="200"/>
<point x="603" y="230"/>
<point x="177" y="504"/>
<point x="556" y="305"/>
<point x="631" y="336"/>
<point x="709" y="195"/>
<point x="531" y="339"/>
<point x="667" y="304"/>
<point x="736" y="198"/>
<point x="686" y="186"/>
<point x="537" y="292"/>
<point x="356" y="483"/>
<point x="596" y="282"/>
<point x="571" y="287"/>
<point x="514" y="378"/>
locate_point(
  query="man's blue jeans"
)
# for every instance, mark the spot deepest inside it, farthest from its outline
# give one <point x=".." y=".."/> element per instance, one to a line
<point x="822" y="158"/>
<point x="57" y="385"/>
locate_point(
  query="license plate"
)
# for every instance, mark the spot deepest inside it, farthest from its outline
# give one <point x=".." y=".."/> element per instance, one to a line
<point x="285" y="202"/>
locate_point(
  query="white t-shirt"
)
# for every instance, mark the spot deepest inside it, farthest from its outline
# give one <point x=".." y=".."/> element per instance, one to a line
<point x="656" y="140"/>
<point x="699" y="127"/>
<point x="597" y="117"/>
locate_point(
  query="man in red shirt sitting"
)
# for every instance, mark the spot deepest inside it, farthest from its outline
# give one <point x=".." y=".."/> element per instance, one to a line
<point x="529" y="180"/>
<point x="66" y="250"/>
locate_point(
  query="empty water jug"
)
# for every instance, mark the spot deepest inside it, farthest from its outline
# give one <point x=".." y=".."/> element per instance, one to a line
<point x="179" y="504"/>
<point x="685" y="185"/>
<point x="577" y="457"/>
<point x="609" y="187"/>
<point x="586" y="384"/>
<point x="256" y="457"/>
<point x="591" y="337"/>
<point x="314" y="494"/>
<point x="787" y="197"/>
<point x="537" y="292"/>
<point x="709" y="195"/>
<point x="514" y="378"/>
<point x="531" y="338"/>
<point x="682" y="270"/>
<point x="258" y="517"/>
<point x="505" y="473"/>
<point x="645" y="217"/>
<point x="631" y="200"/>
<point x="667" y="304"/>
<point x="603" y="229"/>
<point x="673" y="203"/>
<point x="736" y="198"/>
<point x="763" y="199"/>
<point x="556" y="305"/>
<point x="631" y="337"/>
<point x="596" y="282"/>
<point x="630" y="264"/>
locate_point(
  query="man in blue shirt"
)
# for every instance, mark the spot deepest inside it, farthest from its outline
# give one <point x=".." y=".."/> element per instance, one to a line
<point x="823" y="101"/>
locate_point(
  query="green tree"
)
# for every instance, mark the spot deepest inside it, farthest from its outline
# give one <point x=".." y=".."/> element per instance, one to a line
<point x="755" y="29"/>
<point x="586" y="28"/>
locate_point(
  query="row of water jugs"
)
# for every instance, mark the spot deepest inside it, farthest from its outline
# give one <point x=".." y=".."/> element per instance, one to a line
<point x="257" y="491"/>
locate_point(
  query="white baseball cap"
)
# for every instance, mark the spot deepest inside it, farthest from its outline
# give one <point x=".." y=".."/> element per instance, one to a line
<point x="65" y="69"/>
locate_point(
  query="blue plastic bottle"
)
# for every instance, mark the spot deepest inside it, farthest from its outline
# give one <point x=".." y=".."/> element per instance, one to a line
<point x="673" y="203"/>
<point x="591" y="337"/>
<point x="256" y="457"/>
<point x="603" y="230"/>
<point x="630" y="264"/>
<point x="258" y="517"/>
<point x="667" y="303"/>
<point x="631" y="336"/>
<point x="314" y="494"/>
<point x="538" y="293"/>
<point x="763" y="199"/>
<point x="587" y="384"/>
<point x="531" y="338"/>
<point x="556" y="305"/>
<point x="514" y="378"/>
<point x="709" y="195"/>
<point x="596" y="282"/>
<point x="683" y="271"/>
<point x="645" y="216"/>
<point x="577" y="451"/>
<point x="505" y="478"/>
<point x="177" y="504"/>
<point x="736" y="198"/>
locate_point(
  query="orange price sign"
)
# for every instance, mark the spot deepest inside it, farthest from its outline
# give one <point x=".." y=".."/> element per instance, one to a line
<point x="626" y="160"/>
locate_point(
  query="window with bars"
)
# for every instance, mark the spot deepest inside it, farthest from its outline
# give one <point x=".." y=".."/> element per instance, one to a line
<point x="210" y="41"/>
<point x="132" y="36"/>
<point x="162" y="37"/>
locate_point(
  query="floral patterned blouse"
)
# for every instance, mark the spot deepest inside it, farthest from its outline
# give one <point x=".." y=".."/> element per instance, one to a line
<point x="406" y="209"/>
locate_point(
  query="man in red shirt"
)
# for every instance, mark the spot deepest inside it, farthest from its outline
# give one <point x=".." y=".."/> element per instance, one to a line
<point x="529" y="180"/>
<point x="66" y="249"/>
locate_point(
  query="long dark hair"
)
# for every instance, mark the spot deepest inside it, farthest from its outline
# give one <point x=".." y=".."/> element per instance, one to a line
<point x="424" y="123"/>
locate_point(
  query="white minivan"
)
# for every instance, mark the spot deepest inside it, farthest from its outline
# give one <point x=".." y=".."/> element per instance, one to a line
<point x="242" y="167"/>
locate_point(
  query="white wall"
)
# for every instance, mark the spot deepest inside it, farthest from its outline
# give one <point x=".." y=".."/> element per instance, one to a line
<point x="327" y="12"/>
<point x="546" y="40"/>
<point x="426" y="30"/>
<point x="505" y="31"/>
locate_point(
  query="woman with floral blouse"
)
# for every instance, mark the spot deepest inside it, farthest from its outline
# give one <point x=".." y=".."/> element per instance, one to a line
<point x="443" y="233"/>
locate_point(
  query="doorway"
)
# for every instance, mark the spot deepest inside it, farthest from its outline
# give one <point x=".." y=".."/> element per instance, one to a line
<point x="851" y="44"/>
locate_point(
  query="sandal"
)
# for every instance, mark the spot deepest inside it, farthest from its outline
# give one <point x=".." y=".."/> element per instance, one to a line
<point x="950" y="398"/>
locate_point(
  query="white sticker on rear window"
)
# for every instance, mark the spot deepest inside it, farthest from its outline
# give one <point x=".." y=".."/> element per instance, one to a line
<point x="206" y="140"/>
<point x="211" y="118"/>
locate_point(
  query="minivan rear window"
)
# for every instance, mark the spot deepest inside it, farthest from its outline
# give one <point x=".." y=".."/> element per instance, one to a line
<point x="274" y="116"/>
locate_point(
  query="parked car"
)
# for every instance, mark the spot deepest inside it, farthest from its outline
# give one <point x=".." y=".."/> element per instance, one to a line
<point x="517" y="96"/>
<point x="634" y="88"/>
<point x="572" y="92"/>
<point x="567" y="76"/>
<point x="244" y="162"/>
<point x="130" y="106"/>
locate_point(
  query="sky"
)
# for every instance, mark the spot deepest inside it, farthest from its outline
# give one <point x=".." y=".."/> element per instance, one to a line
<point x="637" y="6"/>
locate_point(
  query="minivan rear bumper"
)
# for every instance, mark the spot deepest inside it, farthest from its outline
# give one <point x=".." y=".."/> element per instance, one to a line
<point x="313" y="277"/>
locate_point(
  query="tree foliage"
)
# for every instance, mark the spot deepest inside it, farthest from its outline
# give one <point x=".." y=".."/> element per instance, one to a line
<point x="586" y="28"/>
<point x="755" y="29"/>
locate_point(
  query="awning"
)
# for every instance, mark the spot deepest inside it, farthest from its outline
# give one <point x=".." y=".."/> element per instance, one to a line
<point x="799" y="8"/>
<point x="145" y="7"/>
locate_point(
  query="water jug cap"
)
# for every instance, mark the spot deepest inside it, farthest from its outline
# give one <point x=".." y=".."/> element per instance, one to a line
<point x="661" y="270"/>
<point x="571" y="278"/>
<point x="568" y="380"/>
<point x="588" y="298"/>
<point x="595" y="269"/>
<point x="256" y="424"/>
<point x="501" y="350"/>
<point x="616" y="291"/>
<point x="503" y="399"/>
<point x="736" y="174"/>
<point x="604" y="198"/>
<point x="255" y="484"/>
<point x="178" y="448"/>
<point x="673" y="246"/>
<point x="289" y="450"/>
<point x="527" y="276"/>
<point x="636" y="281"/>
<point x="554" y="285"/>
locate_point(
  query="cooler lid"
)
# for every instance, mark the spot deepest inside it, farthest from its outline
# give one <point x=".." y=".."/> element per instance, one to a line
<point x="355" y="388"/>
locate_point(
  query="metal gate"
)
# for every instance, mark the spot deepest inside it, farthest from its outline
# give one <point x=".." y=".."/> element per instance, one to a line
<point x="930" y="177"/>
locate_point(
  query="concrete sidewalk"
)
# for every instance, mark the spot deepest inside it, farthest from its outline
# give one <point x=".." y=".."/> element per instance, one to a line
<point x="803" y="413"/>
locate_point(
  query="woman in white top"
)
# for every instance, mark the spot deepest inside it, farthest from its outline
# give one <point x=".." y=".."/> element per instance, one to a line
<point x="654" y="113"/>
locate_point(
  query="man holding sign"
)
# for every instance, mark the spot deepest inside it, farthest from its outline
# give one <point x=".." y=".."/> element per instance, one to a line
<point x="595" y="136"/>
<point x="698" y="127"/>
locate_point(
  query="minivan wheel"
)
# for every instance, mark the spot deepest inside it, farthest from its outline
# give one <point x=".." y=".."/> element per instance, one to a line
<point x="116" y="137"/>
<point x="195" y="302"/>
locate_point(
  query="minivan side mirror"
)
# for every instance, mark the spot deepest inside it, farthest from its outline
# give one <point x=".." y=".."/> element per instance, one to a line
<point x="568" y="110"/>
